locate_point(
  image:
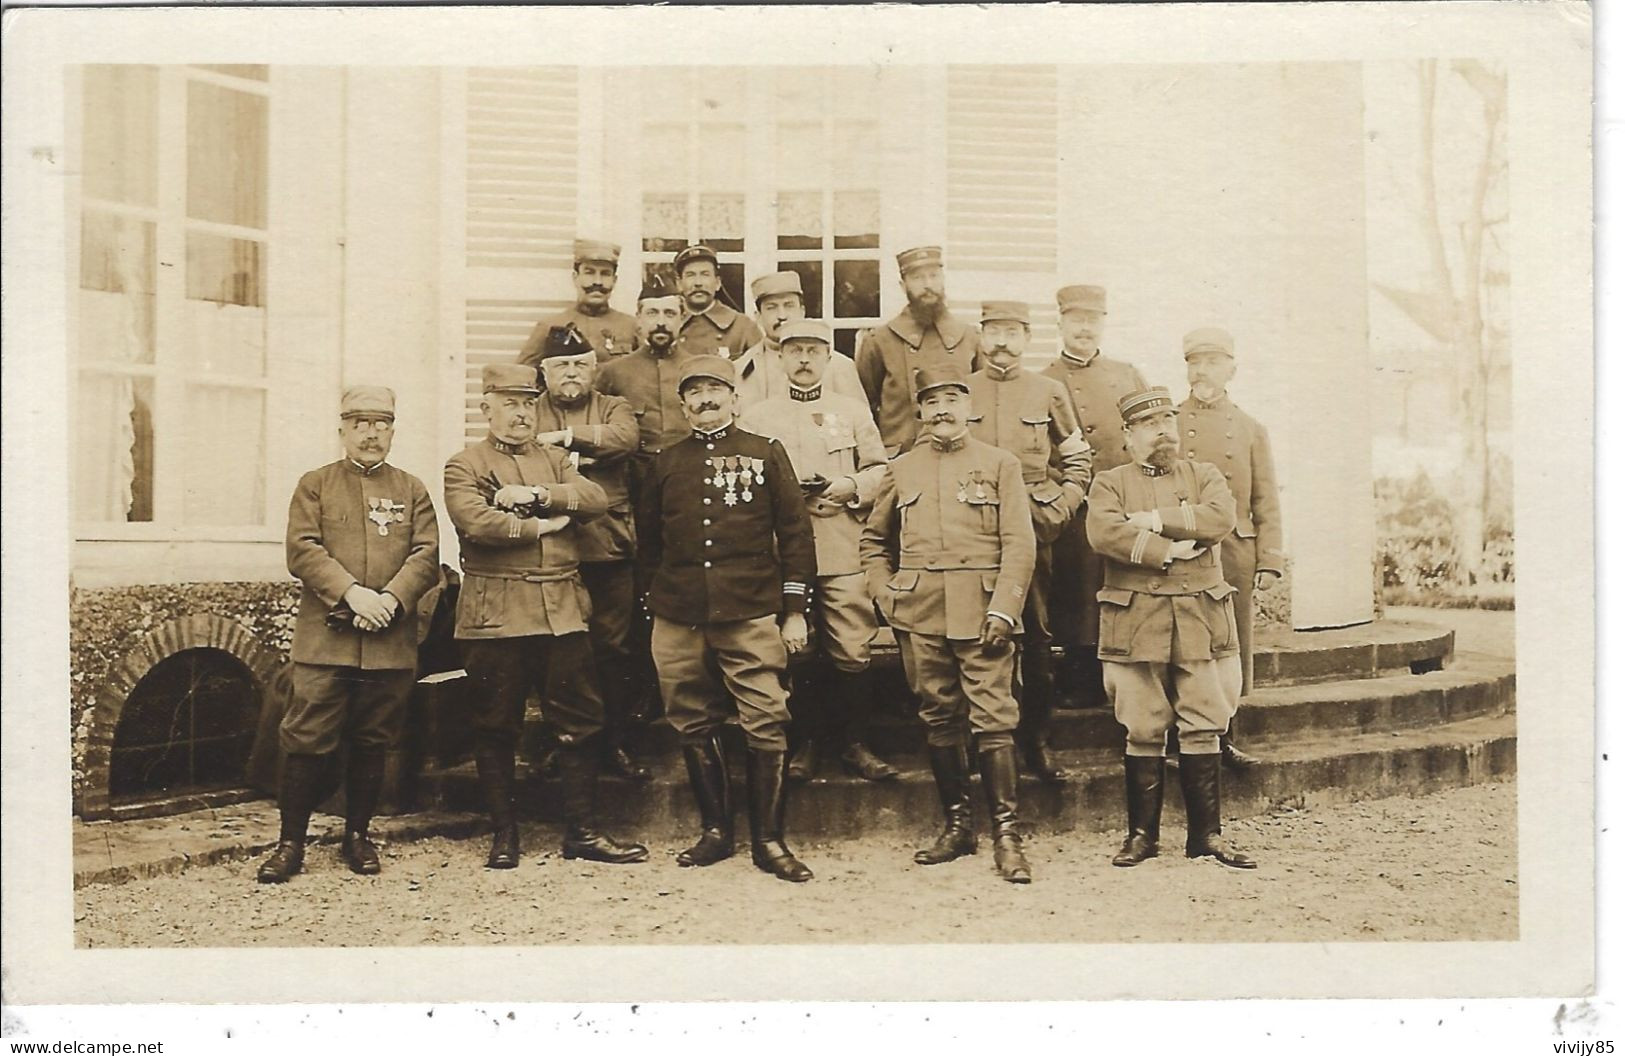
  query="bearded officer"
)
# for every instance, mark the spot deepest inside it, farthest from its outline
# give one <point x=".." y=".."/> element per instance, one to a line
<point x="728" y="545"/>
<point x="600" y="433"/>
<point x="364" y="543"/>
<point x="1167" y="624"/>
<point x="647" y="378"/>
<point x="924" y="334"/>
<point x="708" y="326"/>
<point x="522" y="612"/>
<point x="1096" y="382"/>
<point x="957" y="512"/>
<point x="763" y="373"/>
<point x="1031" y="416"/>
<point x="611" y="333"/>
<point x="1215" y="430"/>
<point x="840" y="461"/>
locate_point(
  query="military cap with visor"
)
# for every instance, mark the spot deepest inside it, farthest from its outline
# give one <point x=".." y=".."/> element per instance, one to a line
<point x="594" y="249"/>
<point x="806" y="330"/>
<point x="706" y="366"/>
<point x="1145" y="404"/>
<point x="776" y="282"/>
<point x="689" y="254"/>
<point x="945" y="375"/>
<point x="1081" y="299"/>
<point x="918" y="257"/>
<point x="517" y="378"/>
<point x="1006" y="312"/>
<point x="367" y="401"/>
<point x="1210" y="339"/>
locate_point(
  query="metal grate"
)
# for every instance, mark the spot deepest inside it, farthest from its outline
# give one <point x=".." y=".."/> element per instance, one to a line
<point x="187" y="727"/>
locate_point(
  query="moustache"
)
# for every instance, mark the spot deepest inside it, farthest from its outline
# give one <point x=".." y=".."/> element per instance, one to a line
<point x="595" y="289"/>
<point x="708" y="405"/>
<point x="943" y="416"/>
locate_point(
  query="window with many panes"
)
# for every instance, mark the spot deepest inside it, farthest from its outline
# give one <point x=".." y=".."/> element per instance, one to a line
<point x="170" y="378"/>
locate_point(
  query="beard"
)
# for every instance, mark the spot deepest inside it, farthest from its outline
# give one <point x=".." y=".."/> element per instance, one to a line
<point x="1206" y="391"/>
<point x="927" y="306"/>
<point x="1162" y="454"/>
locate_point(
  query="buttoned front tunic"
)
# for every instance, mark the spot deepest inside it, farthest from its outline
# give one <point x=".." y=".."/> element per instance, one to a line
<point x="610" y="333"/>
<point x="375" y="527"/>
<point x="1222" y="434"/>
<point x="603" y="435"/>
<point x="762" y="377"/>
<point x="1031" y="416"/>
<point x="517" y="581"/>
<point x="718" y="330"/>
<point x="964" y="539"/>
<point x="649" y="383"/>
<point x="830" y="436"/>
<point x="723" y="533"/>
<point x="891" y="355"/>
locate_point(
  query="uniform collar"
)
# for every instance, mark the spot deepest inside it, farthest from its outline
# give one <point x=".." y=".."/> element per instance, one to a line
<point x="950" y="329"/>
<point x="951" y="444"/>
<point x="996" y="374"/>
<point x="1073" y="361"/>
<point x="806" y="395"/>
<point x="717" y="434"/>
<point x="365" y="471"/>
<point x="1152" y="471"/>
<point x="720" y="315"/>
<point x="505" y="447"/>
<point x="1218" y="404"/>
<point x="649" y="350"/>
<point x="582" y="308"/>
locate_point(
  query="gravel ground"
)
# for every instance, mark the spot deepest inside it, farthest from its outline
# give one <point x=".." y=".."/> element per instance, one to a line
<point x="1437" y="867"/>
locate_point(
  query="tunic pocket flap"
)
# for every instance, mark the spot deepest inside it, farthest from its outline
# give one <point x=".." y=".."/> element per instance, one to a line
<point x="905" y="579"/>
<point x="1027" y="420"/>
<point x="990" y="582"/>
<point x="1046" y="492"/>
<point x="1220" y="592"/>
<point x="1115" y="596"/>
<point x="908" y="498"/>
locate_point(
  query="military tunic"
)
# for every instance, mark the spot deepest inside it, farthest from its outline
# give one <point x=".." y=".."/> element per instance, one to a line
<point x="965" y="550"/>
<point x="762" y="377"/>
<point x="1166" y="625"/>
<point x="726" y="546"/>
<point x="522" y="612"/>
<point x="1222" y="434"/>
<point x="609" y="332"/>
<point x="649" y="383"/>
<point x="888" y="359"/>
<point x="720" y="330"/>
<point x="1095" y="384"/>
<point x="830" y="435"/>
<point x="348" y="525"/>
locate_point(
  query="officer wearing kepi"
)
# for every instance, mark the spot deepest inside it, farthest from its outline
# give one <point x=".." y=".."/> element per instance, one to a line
<point x="522" y="612"/>
<point x="725" y="538"/>
<point x="600" y="433"/>
<point x="1168" y="638"/>
<point x="924" y="334"/>
<point x="1031" y="416"/>
<point x="609" y="332"/>
<point x="762" y="371"/>
<point x="364" y="544"/>
<point x="1096" y="382"/>
<point x="1213" y="429"/>
<point x="647" y="379"/>
<point x="840" y="461"/>
<point x="957" y="511"/>
<point x="709" y="326"/>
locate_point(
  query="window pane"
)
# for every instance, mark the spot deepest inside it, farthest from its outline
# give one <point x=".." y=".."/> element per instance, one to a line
<point x="801" y="220"/>
<point x="812" y="284"/>
<point x="225" y="155"/>
<point x="857" y="154"/>
<point x="252" y="73"/>
<point x="225" y="317"/>
<point x="722" y="222"/>
<point x="224" y="270"/>
<point x="121" y="134"/>
<point x="116" y="265"/>
<point x="665" y="157"/>
<point x="801" y="155"/>
<point x="223" y="467"/>
<point x="847" y="341"/>
<point x="665" y="222"/>
<point x="733" y="285"/>
<point x="667" y="92"/>
<point x="857" y="220"/>
<point x="857" y="289"/>
<point x="660" y="274"/>
<point x="720" y="165"/>
<point x="112" y="447"/>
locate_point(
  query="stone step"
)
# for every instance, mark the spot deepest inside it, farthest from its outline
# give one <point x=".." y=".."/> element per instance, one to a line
<point x="1310" y="769"/>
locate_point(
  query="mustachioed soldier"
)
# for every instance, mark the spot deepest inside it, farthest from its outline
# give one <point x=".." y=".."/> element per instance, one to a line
<point x="763" y="373"/>
<point x="364" y="544"/>
<point x="609" y="332"/>
<point x="709" y="327"/>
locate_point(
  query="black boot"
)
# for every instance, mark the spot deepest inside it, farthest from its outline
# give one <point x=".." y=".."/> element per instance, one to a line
<point x="1170" y="747"/>
<point x="765" y="780"/>
<point x="1091" y="678"/>
<point x="852" y="693"/>
<point x="951" y="767"/>
<point x="708" y="777"/>
<point x="496" y="768"/>
<point x="1037" y="708"/>
<point x="1199" y="779"/>
<point x="999" y="785"/>
<point x="363" y="784"/>
<point x="578" y="784"/>
<point x="1234" y="757"/>
<point x="304" y="785"/>
<point x="1142" y="775"/>
<point x="620" y="703"/>
<point x="804" y="764"/>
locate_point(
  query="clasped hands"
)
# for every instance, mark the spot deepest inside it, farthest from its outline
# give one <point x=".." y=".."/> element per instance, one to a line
<point x="374" y="609"/>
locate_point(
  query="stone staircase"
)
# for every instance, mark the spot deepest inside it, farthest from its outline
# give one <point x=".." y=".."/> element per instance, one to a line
<point x="1380" y="710"/>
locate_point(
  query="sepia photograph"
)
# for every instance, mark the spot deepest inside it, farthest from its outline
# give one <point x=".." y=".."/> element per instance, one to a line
<point x="813" y="500"/>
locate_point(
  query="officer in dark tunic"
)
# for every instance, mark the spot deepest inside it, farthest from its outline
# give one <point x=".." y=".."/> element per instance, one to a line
<point x="364" y="543"/>
<point x="725" y="537"/>
<point x="522" y="612"/>
<point x="709" y="327"/>
<point x="609" y="332"/>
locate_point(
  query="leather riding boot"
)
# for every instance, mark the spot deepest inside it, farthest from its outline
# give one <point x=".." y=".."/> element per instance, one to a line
<point x="765" y="780"/>
<point x="304" y="782"/>
<point x="708" y="777"/>
<point x="1199" y="780"/>
<point x="578" y="795"/>
<point x="1170" y="747"/>
<point x="1142" y="778"/>
<point x="999" y="785"/>
<point x="1037" y="709"/>
<point x="1234" y="757"/>
<point x="619" y="705"/>
<point x="804" y="764"/>
<point x="363" y="784"/>
<point x="853" y="694"/>
<point x="495" y="764"/>
<point x="950" y="765"/>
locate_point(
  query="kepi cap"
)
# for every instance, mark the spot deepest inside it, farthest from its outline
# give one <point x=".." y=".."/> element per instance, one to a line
<point x="1144" y="404"/>
<point x="509" y="377"/>
<point x="688" y="254"/>
<point x="367" y="401"/>
<point x="565" y="340"/>
<point x="918" y="257"/>
<point x="806" y="330"/>
<point x="1210" y="339"/>
<point x="1002" y="311"/>
<point x="593" y="249"/>
<point x="937" y="377"/>
<point x="1081" y="298"/>
<point x="706" y="366"/>
<point x="777" y="282"/>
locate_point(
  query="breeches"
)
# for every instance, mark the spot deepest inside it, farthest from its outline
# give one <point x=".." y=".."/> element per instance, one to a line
<point x="1240" y="560"/>
<point x="713" y="672"/>
<point x="1199" y="697"/>
<point x="332" y="702"/>
<point x="961" y="691"/>
<point x="845" y="618"/>
<point x="557" y="667"/>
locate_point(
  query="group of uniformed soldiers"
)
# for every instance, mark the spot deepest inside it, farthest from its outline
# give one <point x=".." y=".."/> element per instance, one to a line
<point x="730" y="506"/>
